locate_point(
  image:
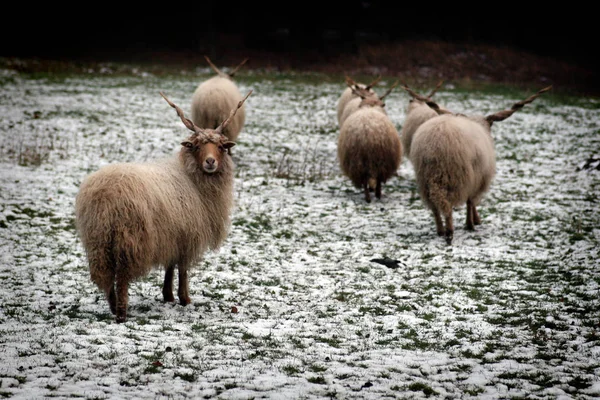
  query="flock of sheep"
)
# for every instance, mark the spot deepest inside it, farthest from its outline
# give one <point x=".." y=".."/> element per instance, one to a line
<point x="132" y="217"/>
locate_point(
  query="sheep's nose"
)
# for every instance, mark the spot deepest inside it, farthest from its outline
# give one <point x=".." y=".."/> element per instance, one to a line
<point x="210" y="161"/>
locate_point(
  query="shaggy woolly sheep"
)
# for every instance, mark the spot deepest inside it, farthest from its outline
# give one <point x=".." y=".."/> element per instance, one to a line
<point x="454" y="160"/>
<point x="369" y="148"/>
<point x="132" y="217"/>
<point x="418" y="112"/>
<point x="214" y="98"/>
<point x="353" y="104"/>
<point x="348" y="95"/>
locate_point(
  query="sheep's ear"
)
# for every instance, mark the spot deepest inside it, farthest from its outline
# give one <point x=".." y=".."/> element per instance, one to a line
<point x="228" y="145"/>
<point x="187" y="144"/>
<point x="435" y="107"/>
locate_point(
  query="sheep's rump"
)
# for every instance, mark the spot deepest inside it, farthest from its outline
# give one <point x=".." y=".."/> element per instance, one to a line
<point x="212" y="102"/>
<point x="369" y="147"/>
<point x="137" y="216"/>
<point x="454" y="161"/>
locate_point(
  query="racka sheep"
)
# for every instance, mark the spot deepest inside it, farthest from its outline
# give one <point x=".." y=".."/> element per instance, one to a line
<point x="214" y="98"/>
<point x="417" y="113"/>
<point x="356" y="102"/>
<point x="369" y="148"/>
<point x="348" y="95"/>
<point x="132" y="217"/>
<point x="455" y="162"/>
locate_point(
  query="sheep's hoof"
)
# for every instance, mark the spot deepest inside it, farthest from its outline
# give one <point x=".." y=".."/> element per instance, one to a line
<point x="449" y="238"/>
<point x="121" y="318"/>
<point x="112" y="300"/>
<point x="168" y="299"/>
<point x="184" y="301"/>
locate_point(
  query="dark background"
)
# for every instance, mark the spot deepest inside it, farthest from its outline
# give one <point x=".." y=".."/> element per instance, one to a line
<point x="304" y="32"/>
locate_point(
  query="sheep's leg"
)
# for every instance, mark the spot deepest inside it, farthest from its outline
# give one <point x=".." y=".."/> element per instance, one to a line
<point x="168" y="284"/>
<point x="449" y="227"/>
<point x="438" y="221"/>
<point x="470" y="212"/>
<point x="476" y="217"/>
<point x="367" y="194"/>
<point x="184" y="289"/>
<point x="378" y="189"/>
<point x="112" y="298"/>
<point x="122" y="297"/>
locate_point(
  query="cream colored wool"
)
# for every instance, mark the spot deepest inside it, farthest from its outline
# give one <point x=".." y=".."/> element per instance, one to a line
<point x="212" y="101"/>
<point x="369" y="149"/>
<point x="455" y="162"/>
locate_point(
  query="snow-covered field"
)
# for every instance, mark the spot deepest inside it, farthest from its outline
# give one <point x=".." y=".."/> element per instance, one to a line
<point x="511" y="310"/>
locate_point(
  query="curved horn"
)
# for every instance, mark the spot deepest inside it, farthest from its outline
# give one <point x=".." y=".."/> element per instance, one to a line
<point x="439" y="85"/>
<point x="224" y="124"/>
<point x="502" y="115"/>
<point x="214" y="67"/>
<point x="414" y="94"/>
<point x="418" y="96"/>
<point x="232" y="73"/>
<point x="389" y="90"/>
<point x="370" y="85"/>
<point x="188" y="123"/>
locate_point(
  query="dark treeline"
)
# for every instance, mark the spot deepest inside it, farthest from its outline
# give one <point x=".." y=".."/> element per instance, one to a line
<point x="294" y="27"/>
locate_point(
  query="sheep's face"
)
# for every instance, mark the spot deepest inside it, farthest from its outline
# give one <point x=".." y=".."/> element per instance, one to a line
<point x="207" y="150"/>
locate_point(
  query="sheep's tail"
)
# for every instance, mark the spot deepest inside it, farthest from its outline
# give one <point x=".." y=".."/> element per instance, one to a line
<point x="438" y="197"/>
<point x="372" y="183"/>
<point x="110" y="239"/>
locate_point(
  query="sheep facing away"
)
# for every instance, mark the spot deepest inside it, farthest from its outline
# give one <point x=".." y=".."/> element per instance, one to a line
<point x="214" y="98"/>
<point x="454" y="160"/>
<point x="369" y="148"/>
<point x="348" y="94"/>
<point x="418" y="112"/>
<point x="360" y="98"/>
<point x="132" y="217"/>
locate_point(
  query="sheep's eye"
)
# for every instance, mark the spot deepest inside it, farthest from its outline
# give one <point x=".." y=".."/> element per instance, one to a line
<point x="222" y="149"/>
<point x="189" y="145"/>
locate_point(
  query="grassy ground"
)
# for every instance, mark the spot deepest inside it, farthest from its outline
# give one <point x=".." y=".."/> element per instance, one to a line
<point x="292" y="305"/>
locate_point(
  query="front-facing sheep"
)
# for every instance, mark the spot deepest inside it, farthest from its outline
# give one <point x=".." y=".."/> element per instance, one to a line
<point x="132" y="217"/>
<point x="214" y="98"/>
<point x="455" y="162"/>
<point x="369" y="148"/>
